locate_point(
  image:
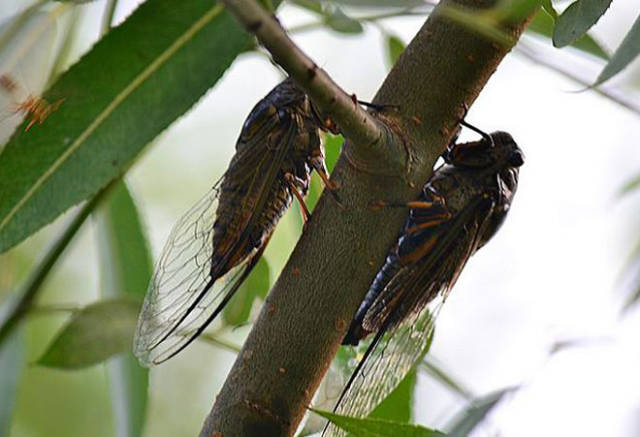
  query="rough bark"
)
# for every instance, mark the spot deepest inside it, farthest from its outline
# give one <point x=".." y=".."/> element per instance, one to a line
<point x="309" y="308"/>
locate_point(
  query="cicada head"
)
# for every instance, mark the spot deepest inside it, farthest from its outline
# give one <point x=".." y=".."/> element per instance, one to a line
<point x="497" y="150"/>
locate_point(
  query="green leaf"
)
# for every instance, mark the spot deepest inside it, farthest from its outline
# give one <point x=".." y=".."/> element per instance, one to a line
<point x="340" y="22"/>
<point x="398" y="405"/>
<point x="125" y="266"/>
<point x="137" y="80"/>
<point x="382" y="3"/>
<point x="631" y="185"/>
<point x="542" y="24"/>
<point x="440" y="375"/>
<point x="624" y="54"/>
<point x="377" y="427"/>
<point x="97" y="332"/>
<point x="238" y="310"/>
<point x="547" y="6"/>
<point x="395" y="47"/>
<point x="310" y="5"/>
<point x="475" y="413"/>
<point x="332" y="147"/>
<point x="577" y="19"/>
<point x="125" y="260"/>
<point x="11" y="363"/>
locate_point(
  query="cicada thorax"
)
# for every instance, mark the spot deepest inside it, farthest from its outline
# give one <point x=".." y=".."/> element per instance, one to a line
<point x="274" y="155"/>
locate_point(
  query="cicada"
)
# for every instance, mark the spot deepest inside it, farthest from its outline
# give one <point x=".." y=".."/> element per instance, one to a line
<point x="215" y="245"/>
<point x="460" y="209"/>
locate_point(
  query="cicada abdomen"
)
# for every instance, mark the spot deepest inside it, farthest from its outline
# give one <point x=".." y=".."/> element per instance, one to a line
<point x="214" y="246"/>
<point x="460" y="208"/>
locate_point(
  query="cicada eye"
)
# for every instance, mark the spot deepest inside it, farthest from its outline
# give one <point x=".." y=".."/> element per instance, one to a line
<point x="516" y="158"/>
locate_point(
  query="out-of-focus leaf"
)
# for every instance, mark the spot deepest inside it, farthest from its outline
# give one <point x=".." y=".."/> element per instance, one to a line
<point x="238" y="310"/>
<point x="577" y="19"/>
<point x="542" y="24"/>
<point x="475" y="413"/>
<point x="395" y="47"/>
<point x="630" y="185"/>
<point x="548" y="8"/>
<point x="97" y="332"/>
<point x="382" y="3"/>
<point x="624" y="54"/>
<point x="16" y="307"/>
<point x="633" y="298"/>
<point x="433" y="369"/>
<point x="340" y="22"/>
<point x="378" y="427"/>
<point x="332" y="147"/>
<point x="515" y="10"/>
<point x="137" y="80"/>
<point x="311" y="5"/>
<point x="11" y="363"/>
<point x="75" y="1"/>
<point x="397" y="406"/>
<point x="125" y="266"/>
<point x="125" y="259"/>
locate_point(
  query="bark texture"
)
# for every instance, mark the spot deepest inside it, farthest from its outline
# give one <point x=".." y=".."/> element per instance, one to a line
<point x="309" y="308"/>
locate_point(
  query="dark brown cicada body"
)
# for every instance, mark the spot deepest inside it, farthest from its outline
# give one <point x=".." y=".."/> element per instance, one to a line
<point x="461" y="207"/>
<point x="214" y="246"/>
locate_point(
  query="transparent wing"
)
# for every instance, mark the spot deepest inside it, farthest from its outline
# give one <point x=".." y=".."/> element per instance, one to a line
<point x="419" y="291"/>
<point x="174" y="311"/>
<point x="390" y="357"/>
<point x="184" y="296"/>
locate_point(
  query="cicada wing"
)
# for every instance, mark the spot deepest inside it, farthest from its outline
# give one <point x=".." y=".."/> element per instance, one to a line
<point x="184" y="296"/>
<point x="174" y="307"/>
<point x="404" y="314"/>
<point x="389" y="357"/>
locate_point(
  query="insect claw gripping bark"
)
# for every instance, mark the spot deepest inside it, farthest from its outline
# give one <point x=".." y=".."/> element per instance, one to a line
<point x="215" y="245"/>
<point x="460" y="208"/>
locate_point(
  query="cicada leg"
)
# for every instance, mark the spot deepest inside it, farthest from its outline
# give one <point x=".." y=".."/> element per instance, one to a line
<point x="293" y="186"/>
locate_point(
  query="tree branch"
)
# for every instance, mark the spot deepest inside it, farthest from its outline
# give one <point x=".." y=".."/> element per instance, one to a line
<point x="309" y="308"/>
<point x="354" y="122"/>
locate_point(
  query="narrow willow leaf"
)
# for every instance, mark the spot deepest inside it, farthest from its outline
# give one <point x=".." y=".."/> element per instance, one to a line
<point x="624" y="54"/>
<point x="378" y="427"/>
<point x="476" y="412"/>
<point x="542" y="24"/>
<point x="395" y="47"/>
<point x="125" y="266"/>
<point x="95" y="333"/>
<point x="398" y="406"/>
<point x="11" y="363"/>
<point x="577" y="19"/>
<point x="137" y="80"/>
<point x="443" y="377"/>
<point x="340" y="22"/>
<point x="238" y="310"/>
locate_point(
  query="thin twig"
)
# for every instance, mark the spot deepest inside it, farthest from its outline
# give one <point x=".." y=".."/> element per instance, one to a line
<point x="216" y="341"/>
<point x="23" y="300"/>
<point x="354" y="122"/>
<point x="616" y="95"/>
